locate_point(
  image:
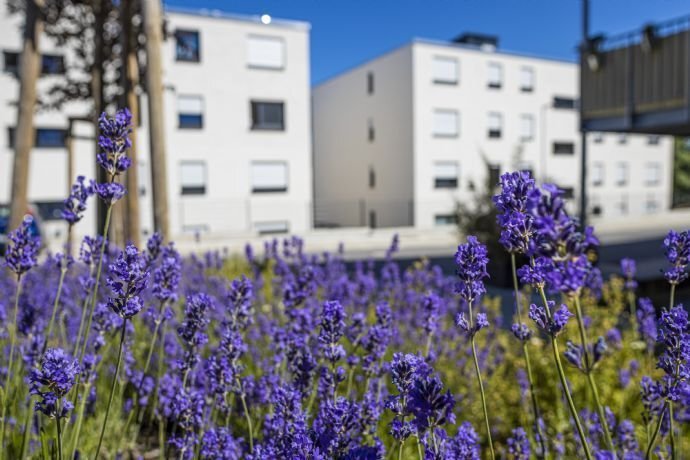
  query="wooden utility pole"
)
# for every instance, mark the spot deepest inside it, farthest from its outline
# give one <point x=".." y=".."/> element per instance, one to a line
<point x="130" y="81"/>
<point x="24" y="135"/>
<point x="98" y="100"/>
<point x="153" y="27"/>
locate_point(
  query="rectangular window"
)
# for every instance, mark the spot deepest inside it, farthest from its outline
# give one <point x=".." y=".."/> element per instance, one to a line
<point x="527" y="79"/>
<point x="495" y="80"/>
<point x="446" y="123"/>
<point x="445" y="70"/>
<point x="563" y="148"/>
<point x="371" y="133"/>
<point x="621" y="173"/>
<point x="268" y="116"/>
<point x="50" y="210"/>
<point x="372" y="177"/>
<point x="187" y="46"/>
<point x="51" y="64"/>
<point x="653" y="174"/>
<point x="190" y="112"/>
<point x="561" y="102"/>
<point x="446" y="174"/>
<point x="495" y="125"/>
<point x="526" y="127"/>
<point x="598" y="174"/>
<point x="568" y="192"/>
<point x="651" y="205"/>
<point x="653" y="139"/>
<point x="370" y="83"/>
<point x="193" y="178"/>
<point x="622" y="139"/>
<point x="271" y="228"/>
<point x="269" y="176"/>
<point x="598" y="138"/>
<point x="442" y="220"/>
<point x="47" y="138"/>
<point x="265" y="52"/>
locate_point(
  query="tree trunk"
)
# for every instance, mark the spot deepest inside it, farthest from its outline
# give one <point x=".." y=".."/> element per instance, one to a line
<point x="98" y="100"/>
<point x="130" y="81"/>
<point x="30" y="70"/>
<point x="153" y="26"/>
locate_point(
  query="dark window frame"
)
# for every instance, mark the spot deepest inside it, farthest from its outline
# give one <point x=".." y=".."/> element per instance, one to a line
<point x="259" y="125"/>
<point x="563" y="148"/>
<point x="190" y="124"/>
<point x="442" y="220"/>
<point x="564" y="103"/>
<point x="445" y="183"/>
<point x="195" y="58"/>
<point x="372" y="177"/>
<point x="494" y="175"/>
<point x="46" y="69"/>
<point x="370" y="83"/>
<point x="11" y="133"/>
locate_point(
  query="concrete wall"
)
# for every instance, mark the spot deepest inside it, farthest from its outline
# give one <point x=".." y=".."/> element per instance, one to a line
<point x="344" y="154"/>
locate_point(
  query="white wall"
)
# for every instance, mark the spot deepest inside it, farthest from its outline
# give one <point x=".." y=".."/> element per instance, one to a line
<point x="343" y="153"/>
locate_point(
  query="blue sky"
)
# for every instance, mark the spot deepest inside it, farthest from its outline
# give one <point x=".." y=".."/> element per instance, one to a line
<point x="347" y="32"/>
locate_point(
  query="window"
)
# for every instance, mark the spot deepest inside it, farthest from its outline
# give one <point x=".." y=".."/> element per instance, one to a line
<point x="47" y="138"/>
<point x="268" y="116"/>
<point x="653" y="174"/>
<point x="269" y="176"/>
<point x="265" y="52"/>
<point x="193" y="178"/>
<point x="621" y="173"/>
<point x="495" y="125"/>
<point x="372" y="219"/>
<point x="653" y="139"/>
<point x="446" y="123"/>
<point x="271" y="228"/>
<point x="494" y="175"/>
<point x="651" y="205"/>
<point x="370" y="83"/>
<point x="51" y="64"/>
<point x="568" y="192"/>
<point x="526" y="79"/>
<point x="622" y="205"/>
<point x="445" y="70"/>
<point x="526" y="127"/>
<point x="190" y="112"/>
<point x="563" y="148"/>
<point x="622" y="139"/>
<point x="560" y="102"/>
<point x="598" y="138"/>
<point x="446" y="174"/>
<point x="598" y="174"/>
<point x="371" y="133"/>
<point x="372" y="177"/>
<point x="50" y="210"/>
<point x="495" y="75"/>
<point x="442" y="220"/>
<point x="187" y="46"/>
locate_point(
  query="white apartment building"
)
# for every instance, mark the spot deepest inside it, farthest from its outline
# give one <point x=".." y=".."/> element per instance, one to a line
<point x="238" y="127"/>
<point x="401" y="138"/>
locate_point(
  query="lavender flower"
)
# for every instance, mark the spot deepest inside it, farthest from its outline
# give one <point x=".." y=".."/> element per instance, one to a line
<point x="332" y="329"/>
<point x="110" y="192"/>
<point x="646" y="322"/>
<point x="166" y="277"/>
<point x="75" y="204"/>
<point x="471" y="260"/>
<point x="114" y="142"/>
<point x="675" y="359"/>
<point x="53" y="381"/>
<point x="518" y="445"/>
<point x="465" y="444"/>
<point x="22" y="250"/>
<point x="218" y="444"/>
<point x="128" y="278"/>
<point x="629" y="270"/>
<point x="514" y="218"/>
<point x="552" y="322"/>
<point x="521" y="332"/>
<point x="537" y="274"/>
<point x="677" y="250"/>
<point x="470" y="330"/>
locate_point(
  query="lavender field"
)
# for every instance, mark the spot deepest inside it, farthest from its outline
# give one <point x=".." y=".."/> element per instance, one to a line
<point x="114" y="352"/>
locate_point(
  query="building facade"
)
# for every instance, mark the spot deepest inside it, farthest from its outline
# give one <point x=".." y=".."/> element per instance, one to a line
<point x="402" y="139"/>
<point x="237" y="118"/>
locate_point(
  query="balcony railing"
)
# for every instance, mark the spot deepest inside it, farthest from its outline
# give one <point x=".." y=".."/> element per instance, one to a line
<point x="638" y="81"/>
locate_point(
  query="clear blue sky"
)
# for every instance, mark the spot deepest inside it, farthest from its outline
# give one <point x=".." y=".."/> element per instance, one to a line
<point x="347" y="32"/>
